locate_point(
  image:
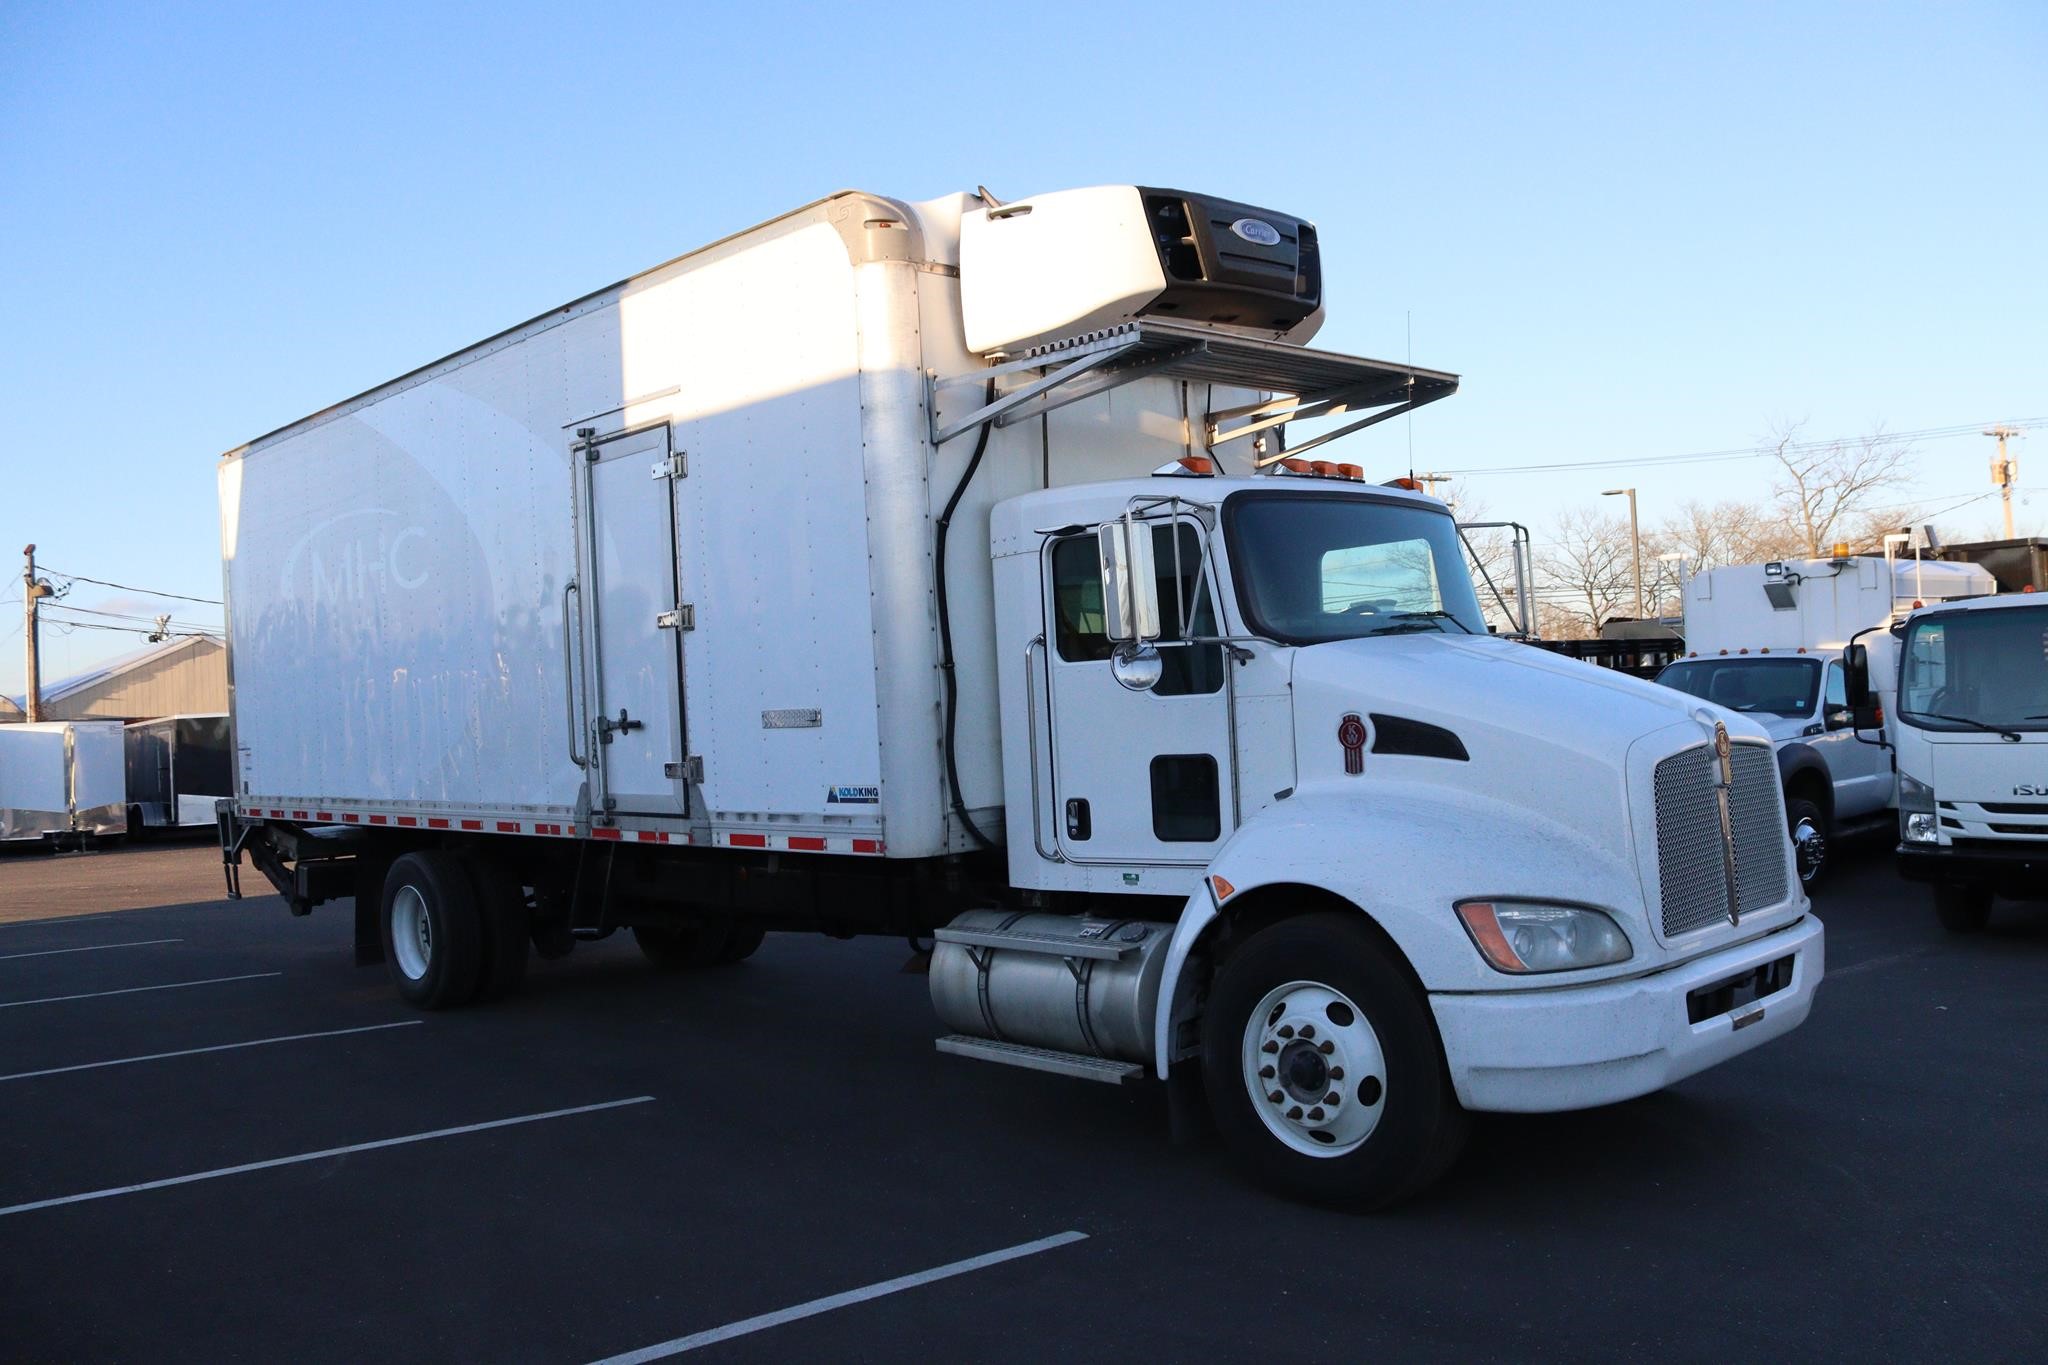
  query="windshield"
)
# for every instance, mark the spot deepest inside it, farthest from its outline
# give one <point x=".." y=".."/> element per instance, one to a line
<point x="1976" y="670"/>
<point x="1312" y="567"/>
<point x="1783" y="687"/>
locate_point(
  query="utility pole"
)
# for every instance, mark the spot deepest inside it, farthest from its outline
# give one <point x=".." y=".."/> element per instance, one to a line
<point x="2005" y="470"/>
<point x="1635" y="542"/>
<point x="33" y="591"/>
<point x="1430" y="481"/>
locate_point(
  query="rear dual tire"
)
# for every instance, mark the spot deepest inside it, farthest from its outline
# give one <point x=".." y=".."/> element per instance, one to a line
<point x="454" y="929"/>
<point x="698" y="943"/>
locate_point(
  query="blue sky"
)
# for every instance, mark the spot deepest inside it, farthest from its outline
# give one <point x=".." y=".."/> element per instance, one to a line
<point x="1636" y="230"/>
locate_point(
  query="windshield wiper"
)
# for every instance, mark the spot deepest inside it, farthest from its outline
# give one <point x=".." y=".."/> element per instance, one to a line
<point x="1967" y="720"/>
<point x="1427" y="616"/>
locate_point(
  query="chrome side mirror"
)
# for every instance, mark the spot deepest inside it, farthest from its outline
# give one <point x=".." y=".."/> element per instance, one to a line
<point x="1130" y="591"/>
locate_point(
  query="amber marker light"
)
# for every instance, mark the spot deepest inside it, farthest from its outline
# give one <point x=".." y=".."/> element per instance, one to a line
<point x="1485" y="930"/>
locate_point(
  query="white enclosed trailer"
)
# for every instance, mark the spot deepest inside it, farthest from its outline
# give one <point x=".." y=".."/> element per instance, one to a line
<point x="61" y="780"/>
<point x="947" y="569"/>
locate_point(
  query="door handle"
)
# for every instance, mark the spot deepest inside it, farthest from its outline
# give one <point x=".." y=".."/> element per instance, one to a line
<point x="624" y="725"/>
<point x="572" y="650"/>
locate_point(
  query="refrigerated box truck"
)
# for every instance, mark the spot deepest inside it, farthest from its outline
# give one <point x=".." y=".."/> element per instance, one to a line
<point x="62" y="782"/>
<point x="957" y="570"/>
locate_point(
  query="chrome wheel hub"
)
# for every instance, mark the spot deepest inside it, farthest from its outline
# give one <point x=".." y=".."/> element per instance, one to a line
<point x="1314" y="1069"/>
<point x="1811" y="848"/>
<point x="412" y="932"/>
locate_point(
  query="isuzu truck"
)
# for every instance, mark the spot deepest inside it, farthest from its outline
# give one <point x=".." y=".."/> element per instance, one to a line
<point x="966" y="571"/>
<point x="1967" y="716"/>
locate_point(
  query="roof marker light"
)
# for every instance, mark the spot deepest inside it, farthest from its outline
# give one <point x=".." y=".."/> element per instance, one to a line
<point x="1296" y="466"/>
<point x="1404" y="482"/>
<point x="1352" y="471"/>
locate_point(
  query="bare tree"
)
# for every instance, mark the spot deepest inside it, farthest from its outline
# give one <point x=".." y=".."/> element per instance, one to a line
<point x="1585" y="569"/>
<point x="1825" y="487"/>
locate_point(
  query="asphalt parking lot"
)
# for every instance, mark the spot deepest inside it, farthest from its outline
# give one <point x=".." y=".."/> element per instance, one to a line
<point x="617" y="1159"/>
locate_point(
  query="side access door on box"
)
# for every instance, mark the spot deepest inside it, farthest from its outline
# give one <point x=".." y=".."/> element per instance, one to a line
<point x="626" y="625"/>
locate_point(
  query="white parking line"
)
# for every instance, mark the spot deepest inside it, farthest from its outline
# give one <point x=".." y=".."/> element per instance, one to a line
<point x="825" y="1305"/>
<point x="217" y="1047"/>
<point x="130" y="990"/>
<point x="318" y="1156"/>
<point x="95" y="948"/>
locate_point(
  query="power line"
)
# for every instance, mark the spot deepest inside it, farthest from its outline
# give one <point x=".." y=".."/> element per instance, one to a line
<point x="1744" y="452"/>
<point x="128" y="587"/>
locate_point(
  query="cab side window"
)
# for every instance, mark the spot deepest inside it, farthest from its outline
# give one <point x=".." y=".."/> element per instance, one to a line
<point x="1078" y="623"/>
<point x="1836" y="689"/>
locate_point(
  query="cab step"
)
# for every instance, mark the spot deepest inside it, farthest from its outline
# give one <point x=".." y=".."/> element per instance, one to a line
<point x="1073" y="1064"/>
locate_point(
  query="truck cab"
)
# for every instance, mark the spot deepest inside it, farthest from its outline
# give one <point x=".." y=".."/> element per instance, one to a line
<point x="1970" y="728"/>
<point x="1270" y="701"/>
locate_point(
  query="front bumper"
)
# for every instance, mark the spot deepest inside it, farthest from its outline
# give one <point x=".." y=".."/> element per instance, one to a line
<point x="1987" y="863"/>
<point x="1536" y="1051"/>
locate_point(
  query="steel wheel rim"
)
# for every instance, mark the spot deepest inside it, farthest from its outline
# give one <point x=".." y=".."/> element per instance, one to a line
<point x="1298" y="1034"/>
<point x="1811" y="846"/>
<point x="412" y="932"/>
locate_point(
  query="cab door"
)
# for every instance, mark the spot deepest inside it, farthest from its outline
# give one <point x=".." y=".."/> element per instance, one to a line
<point x="1862" y="771"/>
<point x="632" y="662"/>
<point x="1138" y="776"/>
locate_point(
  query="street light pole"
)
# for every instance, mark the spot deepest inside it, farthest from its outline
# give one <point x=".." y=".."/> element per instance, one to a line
<point x="1635" y="541"/>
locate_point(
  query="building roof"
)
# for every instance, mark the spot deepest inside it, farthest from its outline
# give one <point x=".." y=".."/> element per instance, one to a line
<point x="115" y="667"/>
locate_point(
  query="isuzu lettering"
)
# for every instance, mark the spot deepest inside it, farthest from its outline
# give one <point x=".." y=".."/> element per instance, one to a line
<point x="958" y="570"/>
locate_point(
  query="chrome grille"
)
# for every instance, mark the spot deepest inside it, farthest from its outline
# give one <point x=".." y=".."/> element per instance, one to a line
<point x="1692" y="879"/>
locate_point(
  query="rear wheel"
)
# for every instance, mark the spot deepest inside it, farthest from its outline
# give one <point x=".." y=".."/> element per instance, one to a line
<point x="1809" y="826"/>
<point x="501" y="909"/>
<point x="681" y="947"/>
<point x="1962" y="909"/>
<point x="741" y="941"/>
<point x="1323" y="1066"/>
<point x="433" y="937"/>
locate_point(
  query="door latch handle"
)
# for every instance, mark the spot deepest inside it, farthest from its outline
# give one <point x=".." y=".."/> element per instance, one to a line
<point x="624" y="725"/>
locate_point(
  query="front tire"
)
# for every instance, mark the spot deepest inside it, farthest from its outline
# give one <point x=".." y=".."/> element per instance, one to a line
<point x="1962" y="909"/>
<point x="1324" y="1069"/>
<point x="1808" y="824"/>
<point x="433" y="936"/>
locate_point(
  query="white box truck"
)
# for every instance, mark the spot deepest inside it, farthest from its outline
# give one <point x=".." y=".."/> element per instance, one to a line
<point x="1968" y="720"/>
<point x="62" y="782"/>
<point x="945" y="569"/>
<point x="1766" y="640"/>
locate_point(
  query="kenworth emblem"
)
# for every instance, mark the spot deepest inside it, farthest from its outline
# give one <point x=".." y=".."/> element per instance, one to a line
<point x="1351" y="734"/>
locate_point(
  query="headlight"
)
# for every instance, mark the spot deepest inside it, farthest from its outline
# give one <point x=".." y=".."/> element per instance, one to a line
<point x="1917" y="821"/>
<point x="1528" y="936"/>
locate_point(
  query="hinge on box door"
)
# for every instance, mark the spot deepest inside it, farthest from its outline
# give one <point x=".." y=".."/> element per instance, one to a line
<point x="684" y="617"/>
<point x="676" y="466"/>
<point x="690" y="769"/>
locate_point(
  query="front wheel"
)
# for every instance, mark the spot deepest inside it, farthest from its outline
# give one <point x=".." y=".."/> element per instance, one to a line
<point x="1324" y="1069"/>
<point x="1962" y="909"/>
<point x="1809" y="826"/>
